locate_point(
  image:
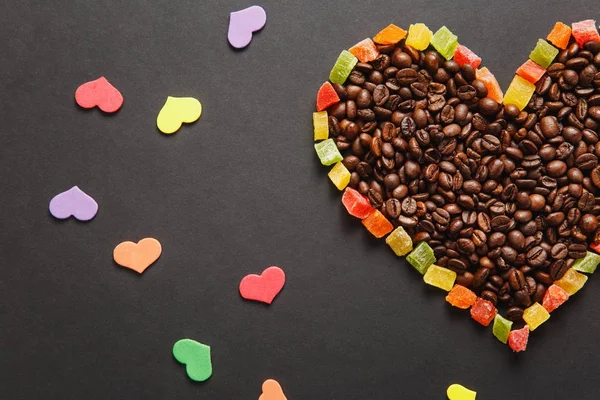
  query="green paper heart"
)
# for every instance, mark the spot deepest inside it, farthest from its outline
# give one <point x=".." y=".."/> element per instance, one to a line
<point x="196" y="357"/>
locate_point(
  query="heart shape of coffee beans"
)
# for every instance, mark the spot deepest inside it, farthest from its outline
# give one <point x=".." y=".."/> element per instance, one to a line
<point x="507" y="199"/>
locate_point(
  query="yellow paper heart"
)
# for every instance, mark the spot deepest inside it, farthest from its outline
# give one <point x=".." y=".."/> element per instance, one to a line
<point x="176" y="111"/>
<point x="459" y="392"/>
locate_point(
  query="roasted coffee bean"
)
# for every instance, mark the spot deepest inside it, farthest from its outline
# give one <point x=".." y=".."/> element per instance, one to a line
<point x="501" y="223"/>
<point x="559" y="251"/>
<point x="392" y="208"/>
<point x="516" y="279"/>
<point x="514" y="314"/>
<point x="557" y="269"/>
<point x="577" y="250"/>
<point x="536" y="256"/>
<point x="409" y="206"/>
<point x="375" y="198"/>
<point x="480" y="277"/>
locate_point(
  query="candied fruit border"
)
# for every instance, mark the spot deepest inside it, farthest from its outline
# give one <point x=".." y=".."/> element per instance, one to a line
<point x="422" y="256"/>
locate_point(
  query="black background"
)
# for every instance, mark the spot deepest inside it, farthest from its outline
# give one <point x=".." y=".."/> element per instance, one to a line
<point x="237" y="191"/>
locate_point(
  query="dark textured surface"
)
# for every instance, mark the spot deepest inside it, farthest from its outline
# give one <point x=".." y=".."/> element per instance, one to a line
<point x="237" y="191"/>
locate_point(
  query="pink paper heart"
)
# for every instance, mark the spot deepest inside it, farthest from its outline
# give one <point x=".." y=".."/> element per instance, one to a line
<point x="243" y="23"/>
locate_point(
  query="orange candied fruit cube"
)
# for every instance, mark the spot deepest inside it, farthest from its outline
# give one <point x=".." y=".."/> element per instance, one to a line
<point x="490" y="82"/>
<point x="364" y="50"/>
<point x="531" y="71"/>
<point x="377" y="224"/>
<point x="461" y="297"/>
<point x="560" y="35"/>
<point x="391" y="34"/>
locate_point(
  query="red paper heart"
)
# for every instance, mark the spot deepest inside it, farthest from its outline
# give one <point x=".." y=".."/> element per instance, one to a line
<point x="99" y="93"/>
<point x="263" y="287"/>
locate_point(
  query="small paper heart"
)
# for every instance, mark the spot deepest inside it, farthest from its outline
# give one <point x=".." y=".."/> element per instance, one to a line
<point x="263" y="287"/>
<point x="196" y="357"/>
<point x="99" y="93"/>
<point x="459" y="392"/>
<point x="243" y="23"/>
<point x="176" y="111"/>
<point x="73" y="202"/>
<point x="271" y="390"/>
<point x="137" y="256"/>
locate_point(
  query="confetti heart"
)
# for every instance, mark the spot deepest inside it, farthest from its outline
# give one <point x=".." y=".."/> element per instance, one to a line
<point x="243" y="23"/>
<point x="176" y="111"/>
<point x="74" y="202"/>
<point x="99" y="93"/>
<point x="492" y="192"/>
<point x="271" y="390"/>
<point x="137" y="256"/>
<point x="459" y="392"/>
<point x="263" y="287"/>
<point x="196" y="357"/>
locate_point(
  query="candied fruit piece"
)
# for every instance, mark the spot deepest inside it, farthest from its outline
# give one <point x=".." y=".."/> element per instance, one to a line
<point x="342" y="68"/>
<point x="531" y="71"/>
<point x="445" y="42"/>
<point x="483" y="311"/>
<point x="364" y="50"/>
<point x="585" y="31"/>
<point x="572" y="281"/>
<point x="440" y="277"/>
<point x="320" y="125"/>
<point x="339" y="175"/>
<point x="421" y="257"/>
<point x="501" y="328"/>
<point x="535" y="315"/>
<point x="519" y="92"/>
<point x="399" y="241"/>
<point x="463" y="55"/>
<point x="326" y="96"/>
<point x="560" y="35"/>
<point x="491" y="84"/>
<point x="391" y="34"/>
<point x="419" y="36"/>
<point x="587" y="264"/>
<point x="543" y="53"/>
<point x="377" y="224"/>
<point x="554" y="297"/>
<point x="356" y="204"/>
<point x="517" y="339"/>
<point x="461" y="297"/>
<point x="328" y="152"/>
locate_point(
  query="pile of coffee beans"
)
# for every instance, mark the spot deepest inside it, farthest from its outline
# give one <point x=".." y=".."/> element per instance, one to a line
<point x="508" y="199"/>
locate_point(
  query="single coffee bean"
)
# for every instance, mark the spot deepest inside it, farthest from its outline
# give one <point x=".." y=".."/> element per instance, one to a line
<point x="536" y="256"/>
<point x="559" y="251"/>
<point x="557" y="269"/>
<point x="480" y="277"/>
<point x="516" y="280"/>
<point x="577" y="250"/>
<point x="514" y="314"/>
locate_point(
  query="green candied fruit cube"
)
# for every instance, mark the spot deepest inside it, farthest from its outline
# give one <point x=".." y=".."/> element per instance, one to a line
<point x="399" y="241"/>
<point x="501" y="328"/>
<point x="328" y="152"/>
<point x="543" y="54"/>
<point x="588" y="263"/>
<point x="421" y="257"/>
<point x="445" y="42"/>
<point x="342" y="68"/>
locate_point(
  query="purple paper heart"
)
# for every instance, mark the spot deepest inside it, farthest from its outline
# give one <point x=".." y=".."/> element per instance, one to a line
<point x="74" y="202"/>
<point x="243" y="23"/>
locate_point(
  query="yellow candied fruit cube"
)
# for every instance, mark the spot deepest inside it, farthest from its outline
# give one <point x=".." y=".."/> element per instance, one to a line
<point x="572" y="281"/>
<point x="440" y="277"/>
<point x="321" y="125"/>
<point x="519" y="92"/>
<point x="419" y="36"/>
<point x="399" y="241"/>
<point x="339" y="175"/>
<point x="535" y="315"/>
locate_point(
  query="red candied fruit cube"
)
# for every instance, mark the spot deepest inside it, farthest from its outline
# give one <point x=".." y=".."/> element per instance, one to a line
<point x="377" y="224"/>
<point x="585" y="31"/>
<point x="483" y="311"/>
<point x="326" y="96"/>
<point x="357" y="205"/>
<point x="517" y="339"/>
<point x="531" y="71"/>
<point x="595" y="247"/>
<point x="364" y="50"/>
<point x="465" y="56"/>
<point x="554" y="297"/>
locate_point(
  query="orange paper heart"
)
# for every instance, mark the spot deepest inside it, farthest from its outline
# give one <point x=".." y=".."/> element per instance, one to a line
<point x="137" y="256"/>
<point x="271" y="390"/>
